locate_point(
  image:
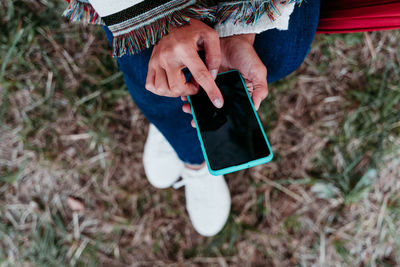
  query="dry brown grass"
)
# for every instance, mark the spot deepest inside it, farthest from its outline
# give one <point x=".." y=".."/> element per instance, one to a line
<point x="73" y="190"/>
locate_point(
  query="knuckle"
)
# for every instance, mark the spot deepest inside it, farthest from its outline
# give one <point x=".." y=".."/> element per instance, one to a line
<point x="176" y="88"/>
<point x="175" y="93"/>
<point x="214" y="60"/>
<point x="193" y="90"/>
<point x="156" y="90"/>
<point x="184" y="91"/>
<point x="212" y="33"/>
<point x="153" y="63"/>
<point x="264" y="93"/>
<point x="161" y="91"/>
<point x="167" y="52"/>
<point x="149" y="86"/>
<point x="178" y="48"/>
<point x="263" y="69"/>
<point x="261" y="73"/>
<point x="164" y="59"/>
<point x="202" y="76"/>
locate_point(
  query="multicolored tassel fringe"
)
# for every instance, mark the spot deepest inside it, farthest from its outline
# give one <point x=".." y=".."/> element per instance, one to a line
<point x="249" y="12"/>
<point x="130" y="38"/>
<point x="82" y="11"/>
<point x="144" y="37"/>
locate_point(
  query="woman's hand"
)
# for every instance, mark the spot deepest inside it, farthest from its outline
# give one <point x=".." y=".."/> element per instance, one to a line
<point x="238" y="53"/>
<point x="178" y="50"/>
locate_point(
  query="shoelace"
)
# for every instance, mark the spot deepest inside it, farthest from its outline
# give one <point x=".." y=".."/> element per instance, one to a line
<point x="189" y="179"/>
<point x="179" y="184"/>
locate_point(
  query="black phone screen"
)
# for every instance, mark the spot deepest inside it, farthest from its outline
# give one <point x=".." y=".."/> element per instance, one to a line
<point x="231" y="135"/>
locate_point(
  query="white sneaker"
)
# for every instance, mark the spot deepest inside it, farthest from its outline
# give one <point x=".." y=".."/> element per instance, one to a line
<point x="161" y="163"/>
<point x="207" y="200"/>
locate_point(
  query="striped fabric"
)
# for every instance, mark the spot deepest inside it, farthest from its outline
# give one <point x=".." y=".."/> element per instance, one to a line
<point x="343" y="16"/>
<point x="139" y="24"/>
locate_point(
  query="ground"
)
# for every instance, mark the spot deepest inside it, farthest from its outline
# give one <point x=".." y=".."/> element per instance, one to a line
<point x="73" y="189"/>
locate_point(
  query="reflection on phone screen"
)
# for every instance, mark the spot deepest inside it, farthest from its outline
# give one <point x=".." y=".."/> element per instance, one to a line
<point x="231" y="135"/>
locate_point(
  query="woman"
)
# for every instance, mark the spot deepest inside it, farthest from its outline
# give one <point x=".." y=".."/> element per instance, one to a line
<point x="154" y="40"/>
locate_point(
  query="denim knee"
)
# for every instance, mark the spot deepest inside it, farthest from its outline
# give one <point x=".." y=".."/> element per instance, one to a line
<point x="282" y="52"/>
<point x="287" y="63"/>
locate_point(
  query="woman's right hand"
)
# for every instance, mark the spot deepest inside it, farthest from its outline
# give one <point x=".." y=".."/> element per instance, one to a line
<point x="178" y="50"/>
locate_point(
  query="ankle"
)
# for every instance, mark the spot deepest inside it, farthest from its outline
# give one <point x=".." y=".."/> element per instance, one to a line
<point x="194" y="166"/>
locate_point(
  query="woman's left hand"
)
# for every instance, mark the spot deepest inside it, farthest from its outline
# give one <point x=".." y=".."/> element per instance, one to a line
<point x="238" y="53"/>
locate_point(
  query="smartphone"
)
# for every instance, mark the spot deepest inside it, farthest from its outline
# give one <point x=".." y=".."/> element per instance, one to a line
<point x="232" y="138"/>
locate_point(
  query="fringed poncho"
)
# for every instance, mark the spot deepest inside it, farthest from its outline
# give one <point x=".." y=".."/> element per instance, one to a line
<point x="139" y="24"/>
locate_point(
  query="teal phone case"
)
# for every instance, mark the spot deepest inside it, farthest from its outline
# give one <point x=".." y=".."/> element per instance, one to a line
<point x="241" y="166"/>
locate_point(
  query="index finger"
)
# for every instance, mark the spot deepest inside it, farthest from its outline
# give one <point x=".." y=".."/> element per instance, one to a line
<point x="212" y="50"/>
<point x="203" y="77"/>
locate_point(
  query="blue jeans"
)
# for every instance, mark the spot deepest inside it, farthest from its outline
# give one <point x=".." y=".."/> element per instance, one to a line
<point x="282" y="52"/>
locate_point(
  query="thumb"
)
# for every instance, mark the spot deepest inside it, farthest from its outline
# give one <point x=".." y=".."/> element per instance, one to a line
<point x="260" y="93"/>
<point x="212" y="51"/>
<point x="258" y="77"/>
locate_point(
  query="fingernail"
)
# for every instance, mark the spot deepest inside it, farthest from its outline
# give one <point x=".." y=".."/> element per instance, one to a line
<point x="214" y="73"/>
<point x="218" y="103"/>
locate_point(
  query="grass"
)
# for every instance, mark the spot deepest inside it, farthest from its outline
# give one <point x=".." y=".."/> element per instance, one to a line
<point x="69" y="133"/>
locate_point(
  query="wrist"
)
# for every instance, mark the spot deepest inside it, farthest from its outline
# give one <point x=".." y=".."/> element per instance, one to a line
<point x="248" y="37"/>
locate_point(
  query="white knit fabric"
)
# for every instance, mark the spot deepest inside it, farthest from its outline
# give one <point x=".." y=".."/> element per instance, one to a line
<point x="263" y="23"/>
<point x="107" y="7"/>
